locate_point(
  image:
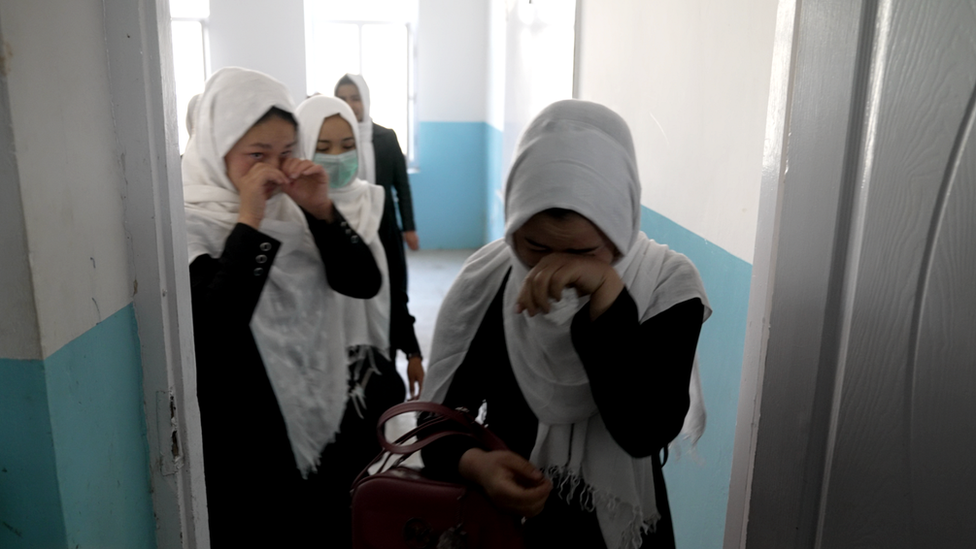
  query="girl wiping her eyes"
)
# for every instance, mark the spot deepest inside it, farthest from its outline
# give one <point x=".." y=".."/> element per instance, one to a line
<point x="578" y="333"/>
<point x="268" y="253"/>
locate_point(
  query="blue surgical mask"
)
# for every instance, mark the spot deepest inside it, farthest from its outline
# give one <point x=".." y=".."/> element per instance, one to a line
<point x="341" y="168"/>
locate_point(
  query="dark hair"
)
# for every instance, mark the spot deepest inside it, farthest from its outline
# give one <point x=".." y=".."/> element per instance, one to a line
<point x="277" y="113"/>
<point x="560" y="213"/>
<point x="342" y="82"/>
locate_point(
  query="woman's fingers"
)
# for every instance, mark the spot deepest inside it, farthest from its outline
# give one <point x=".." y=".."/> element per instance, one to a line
<point x="556" y="272"/>
<point x="546" y="281"/>
<point x="524" y="488"/>
<point x="415" y="377"/>
<point x="511" y="482"/>
<point x="297" y="167"/>
<point x="254" y="189"/>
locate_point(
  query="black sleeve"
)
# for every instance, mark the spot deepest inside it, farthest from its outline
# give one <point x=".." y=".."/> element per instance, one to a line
<point x="401" y="183"/>
<point x="226" y="290"/>
<point x="349" y="265"/>
<point x="472" y="385"/>
<point x="639" y="372"/>
<point x="441" y="458"/>
<point x="402" y="335"/>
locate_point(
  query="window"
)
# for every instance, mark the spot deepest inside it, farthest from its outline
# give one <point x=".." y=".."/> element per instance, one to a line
<point x="373" y="38"/>
<point x="190" y="59"/>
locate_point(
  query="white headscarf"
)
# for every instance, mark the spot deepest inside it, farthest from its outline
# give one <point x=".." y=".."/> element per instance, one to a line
<point x="367" y="321"/>
<point x="294" y="324"/>
<point x="191" y="113"/>
<point x="579" y="156"/>
<point x="367" y="156"/>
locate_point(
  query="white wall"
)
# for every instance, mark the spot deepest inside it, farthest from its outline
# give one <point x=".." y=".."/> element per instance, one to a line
<point x="538" y="63"/>
<point x="19" y="337"/>
<point x="71" y="182"/>
<point x="452" y="60"/>
<point x="495" y="108"/>
<point x="262" y="35"/>
<point x="691" y="77"/>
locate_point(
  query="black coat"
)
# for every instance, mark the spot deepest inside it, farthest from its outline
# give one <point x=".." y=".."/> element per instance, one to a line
<point x="391" y="173"/>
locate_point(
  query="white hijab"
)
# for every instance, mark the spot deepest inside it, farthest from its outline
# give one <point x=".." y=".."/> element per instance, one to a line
<point x="367" y="155"/>
<point x="294" y="325"/>
<point x="367" y="321"/>
<point x="579" y="156"/>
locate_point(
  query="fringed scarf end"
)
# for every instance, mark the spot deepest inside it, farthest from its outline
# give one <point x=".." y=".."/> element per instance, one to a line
<point x="566" y="483"/>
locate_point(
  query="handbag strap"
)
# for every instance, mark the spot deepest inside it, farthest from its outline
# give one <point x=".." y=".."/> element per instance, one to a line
<point x="463" y="425"/>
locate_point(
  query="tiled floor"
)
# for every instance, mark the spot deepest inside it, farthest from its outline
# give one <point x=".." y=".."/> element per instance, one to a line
<point x="430" y="274"/>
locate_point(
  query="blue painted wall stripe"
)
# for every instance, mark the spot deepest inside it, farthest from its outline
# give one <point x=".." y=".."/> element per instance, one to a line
<point x="698" y="489"/>
<point x="85" y="483"/>
<point x="96" y="400"/>
<point x="30" y="503"/>
<point x="449" y="188"/>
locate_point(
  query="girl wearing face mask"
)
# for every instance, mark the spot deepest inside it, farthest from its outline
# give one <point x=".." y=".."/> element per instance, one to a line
<point x="268" y="251"/>
<point x="375" y="328"/>
<point x="579" y="334"/>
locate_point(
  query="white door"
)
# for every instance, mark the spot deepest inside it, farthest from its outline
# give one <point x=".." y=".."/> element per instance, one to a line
<point x="863" y="318"/>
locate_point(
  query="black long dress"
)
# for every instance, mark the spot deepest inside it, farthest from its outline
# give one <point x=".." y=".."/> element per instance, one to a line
<point x="255" y="493"/>
<point x="639" y="375"/>
<point x="356" y="443"/>
<point x="391" y="174"/>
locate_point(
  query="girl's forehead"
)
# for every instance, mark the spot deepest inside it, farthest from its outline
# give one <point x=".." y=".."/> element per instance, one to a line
<point x="272" y="129"/>
<point x="569" y="228"/>
<point x="335" y="127"/>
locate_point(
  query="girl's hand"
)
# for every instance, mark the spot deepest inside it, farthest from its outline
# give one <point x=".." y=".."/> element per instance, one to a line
<point x="415" y="376"/>
<point x="558" y="271"/>
<point x="509" y="480"/>
<point x="308" y="185"/>
<point x="257" y="185"/>
<point x="412" y="240"/>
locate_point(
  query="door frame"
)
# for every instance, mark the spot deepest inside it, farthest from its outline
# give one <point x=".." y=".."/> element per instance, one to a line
<point x="827" y="61"/>
<point x="141" y="77"/>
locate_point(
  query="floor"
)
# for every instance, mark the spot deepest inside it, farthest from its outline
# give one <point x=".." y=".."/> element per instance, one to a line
<point x="430" y="274"/>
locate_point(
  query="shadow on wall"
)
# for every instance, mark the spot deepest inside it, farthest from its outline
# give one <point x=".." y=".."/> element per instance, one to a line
<point x="698" y="487"/>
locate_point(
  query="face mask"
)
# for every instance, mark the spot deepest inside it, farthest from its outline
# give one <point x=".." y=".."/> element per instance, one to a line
<point x="341" y="168"/>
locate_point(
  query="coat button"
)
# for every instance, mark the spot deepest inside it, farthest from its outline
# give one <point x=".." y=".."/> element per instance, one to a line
<point x="354" y="239"/>
<point x="261" y="259"/>
<point x="265" y="246"/>
<point x="258" y="271"/>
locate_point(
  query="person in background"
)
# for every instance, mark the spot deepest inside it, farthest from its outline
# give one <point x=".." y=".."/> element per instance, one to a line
<point x="375" y="328"/>
<point x="267" y="253"/>
<point x="578" y="334"/>
<point x="383" y="162"/>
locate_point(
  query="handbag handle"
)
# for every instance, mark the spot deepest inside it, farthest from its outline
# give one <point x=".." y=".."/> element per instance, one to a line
<point x="442" y="414"/>
<point x="465" y="426"/>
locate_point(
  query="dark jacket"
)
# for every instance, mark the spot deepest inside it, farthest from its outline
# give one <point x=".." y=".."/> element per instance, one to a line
<point x="391" y="173"/>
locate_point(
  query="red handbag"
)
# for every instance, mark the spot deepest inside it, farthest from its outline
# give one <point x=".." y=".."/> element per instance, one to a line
<point x="400" y="508"/>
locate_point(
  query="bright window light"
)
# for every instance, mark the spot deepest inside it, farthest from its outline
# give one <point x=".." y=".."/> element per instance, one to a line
<point x="385" y="70"/>
<point x="189" y="55"/>
<point x="371" y="38"/>
<point x="189" y="9"/>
